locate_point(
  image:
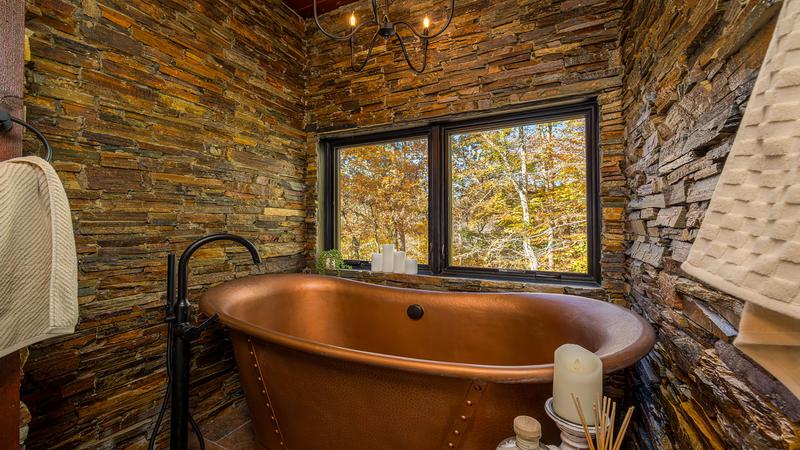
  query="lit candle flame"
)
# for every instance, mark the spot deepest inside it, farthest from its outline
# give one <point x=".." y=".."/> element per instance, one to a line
<point x="353" y="19"/>
<point x="577" y="365"/>
<point x="426" y="22"/>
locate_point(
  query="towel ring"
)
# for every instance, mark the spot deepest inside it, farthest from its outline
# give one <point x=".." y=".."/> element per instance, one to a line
<point x="7" y="123"/>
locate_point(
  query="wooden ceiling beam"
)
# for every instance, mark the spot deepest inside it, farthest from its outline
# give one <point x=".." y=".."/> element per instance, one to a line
<point x="305" y="7"/>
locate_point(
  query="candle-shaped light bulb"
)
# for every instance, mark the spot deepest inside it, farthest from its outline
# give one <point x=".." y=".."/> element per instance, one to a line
<point x="353" y="20"/>
<point x="426" y="22"/>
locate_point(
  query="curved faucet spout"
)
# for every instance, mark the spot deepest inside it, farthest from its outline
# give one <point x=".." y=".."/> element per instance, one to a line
<point x="183" y="265"/>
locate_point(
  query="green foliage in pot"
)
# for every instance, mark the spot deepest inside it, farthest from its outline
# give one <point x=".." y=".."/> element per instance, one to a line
<point x="330" y="260"/>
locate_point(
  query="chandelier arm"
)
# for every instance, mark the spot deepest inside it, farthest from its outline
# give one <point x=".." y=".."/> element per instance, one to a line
<point x="431" y="36"/>
<point x="375" y="10"/>
<point x="408" y="59"/>
<point x="340" y="38"/>
<point x="360" y="67"/>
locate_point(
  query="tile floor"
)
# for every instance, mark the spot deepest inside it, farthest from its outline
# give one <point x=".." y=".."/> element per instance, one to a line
<point x="231" y="430"/>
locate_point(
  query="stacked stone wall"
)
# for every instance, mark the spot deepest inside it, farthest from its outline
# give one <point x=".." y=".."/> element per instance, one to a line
<point x="689" y="69"/>
<point x="169" y="121"/>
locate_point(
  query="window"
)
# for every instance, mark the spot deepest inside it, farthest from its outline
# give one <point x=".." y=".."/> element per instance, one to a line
<point x="518" y="197"/>
<point x="511" y="197"/>
<point x="383" y="197"/>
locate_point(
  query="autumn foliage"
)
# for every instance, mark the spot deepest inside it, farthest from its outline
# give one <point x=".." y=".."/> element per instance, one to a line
<point x="383" y="198"/>
<point x="518" y="198"/>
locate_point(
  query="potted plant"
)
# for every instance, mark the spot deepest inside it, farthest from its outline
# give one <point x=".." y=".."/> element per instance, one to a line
<point x="331" y="260"/>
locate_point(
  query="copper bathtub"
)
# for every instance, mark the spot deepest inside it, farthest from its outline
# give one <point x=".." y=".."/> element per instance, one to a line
<point x="334" y="364"/>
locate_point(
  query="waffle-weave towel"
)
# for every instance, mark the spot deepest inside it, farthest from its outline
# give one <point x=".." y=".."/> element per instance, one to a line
<point x="38" y="262"/>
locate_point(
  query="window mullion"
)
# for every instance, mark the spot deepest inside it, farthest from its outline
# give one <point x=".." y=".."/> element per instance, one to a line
<point x="331" y="192"/>
<point x="594" y="221"/>
<point x="436" y="208"/>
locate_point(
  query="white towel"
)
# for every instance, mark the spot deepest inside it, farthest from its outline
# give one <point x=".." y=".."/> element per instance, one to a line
<point x="38" y="262"/>
<point x="749" y="242"/>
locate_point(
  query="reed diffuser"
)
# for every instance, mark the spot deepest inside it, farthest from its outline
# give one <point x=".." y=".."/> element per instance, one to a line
<point x="604" y="438"/>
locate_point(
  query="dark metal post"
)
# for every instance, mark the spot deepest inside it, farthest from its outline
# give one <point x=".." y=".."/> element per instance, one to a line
<point x="181" y="353"/>
<point x="177" y="312"/>
<point x="170" y="286"/>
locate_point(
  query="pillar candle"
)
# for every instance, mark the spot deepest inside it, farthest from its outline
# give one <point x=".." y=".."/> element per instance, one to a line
<point x="411" y="266"/>
<point x="388" y="257"/>
<point x="576" y="371"/>
<point x="399" y="262"/>
<point x="377" y="263"/>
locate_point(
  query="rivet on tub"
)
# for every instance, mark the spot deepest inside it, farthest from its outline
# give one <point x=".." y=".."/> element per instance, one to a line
<point x="457" y="432"/>
<point x="259" y="375"/>
<point x="469" y="402"/>
<point x="450" y="444"/>
<point x="463" y="417"/>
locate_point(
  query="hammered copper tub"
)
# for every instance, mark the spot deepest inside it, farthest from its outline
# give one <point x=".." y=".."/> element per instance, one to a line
<point x="333" y="364"/>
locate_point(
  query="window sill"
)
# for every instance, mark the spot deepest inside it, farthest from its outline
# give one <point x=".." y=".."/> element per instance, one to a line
<point x="454" y="283"/>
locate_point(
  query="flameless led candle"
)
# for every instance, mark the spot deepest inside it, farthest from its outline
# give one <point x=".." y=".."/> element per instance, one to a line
<point x="388" y="257"/>
<point x="411" y="266"/>
<point x="377" y="262"/>
<point x="576" y="371"/>
<point x="399" y="262"/>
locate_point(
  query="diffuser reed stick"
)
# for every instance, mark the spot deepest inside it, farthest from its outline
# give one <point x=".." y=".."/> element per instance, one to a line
<point x="623" y="428"/>
<point x="610" y="442"/>
<point x="605" y="411"/>
<point x="577" y="403"/>
<point x="601" y="433"/>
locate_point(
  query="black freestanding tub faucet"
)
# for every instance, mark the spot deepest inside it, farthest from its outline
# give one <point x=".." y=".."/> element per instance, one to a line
<point x="180" y="333"/>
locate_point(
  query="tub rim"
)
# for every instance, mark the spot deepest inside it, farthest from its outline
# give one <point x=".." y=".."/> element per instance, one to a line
<point x="537" y="373"/>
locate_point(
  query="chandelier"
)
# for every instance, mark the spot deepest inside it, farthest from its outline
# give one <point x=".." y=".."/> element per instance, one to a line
<point x="387" y="30"/>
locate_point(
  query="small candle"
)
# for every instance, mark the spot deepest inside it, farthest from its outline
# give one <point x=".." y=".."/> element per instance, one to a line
<point x="576" y="371"/>
<point x="411" y="266"/>
<point x="399" y="262"/>
<point x="377" y="263"/>
<point x="388" y="257"/>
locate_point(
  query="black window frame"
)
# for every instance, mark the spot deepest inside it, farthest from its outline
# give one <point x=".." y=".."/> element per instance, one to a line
<point x="439" y="215"/>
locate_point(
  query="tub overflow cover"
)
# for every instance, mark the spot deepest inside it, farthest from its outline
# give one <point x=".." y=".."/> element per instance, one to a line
<point x="415" y="312"/>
